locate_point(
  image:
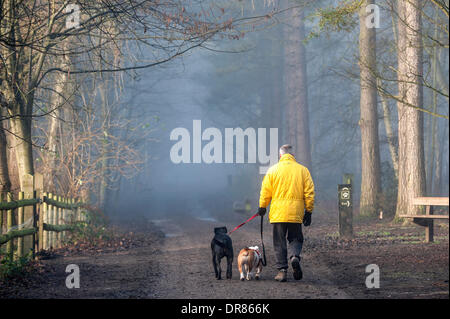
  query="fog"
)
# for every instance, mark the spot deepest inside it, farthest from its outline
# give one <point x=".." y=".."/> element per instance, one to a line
<point x="164" y="187"/>
<point x="230" y="89"/>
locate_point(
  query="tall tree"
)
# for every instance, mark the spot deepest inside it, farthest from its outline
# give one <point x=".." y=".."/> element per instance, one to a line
<point x="295" y="81"/>
<point x="31" y="31"/>
<point x="58" y="99"/>
<point x="5" y="182"/>
<point x="370" y="149"/>
<point x="411" y="174"/>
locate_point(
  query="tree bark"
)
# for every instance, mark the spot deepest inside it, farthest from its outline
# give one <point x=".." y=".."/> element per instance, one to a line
<point x="296" y="86"/>
<point x="370" y="149"/>
<point x="433" y="148"/>
<point x="104" y="162"/>
<point x="5" y="182"/>
<point x="390" y="134"/>
<point x="57" y="101"/>
<point x="21" y="128"/>
<point x="19" y="98"/>
<point x="438" y="171"/>
<point x="276" y="107"/>
<point x="411" y="181"/>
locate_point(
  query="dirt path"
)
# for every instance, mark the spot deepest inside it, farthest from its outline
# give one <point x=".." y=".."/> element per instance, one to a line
<point x="171" y="258"/>
<point x="113" y="273"/>
<point x="185" y="259"/>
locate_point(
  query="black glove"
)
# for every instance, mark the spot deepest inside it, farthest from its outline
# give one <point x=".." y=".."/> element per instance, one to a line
<point x="261" y="211"/>
<point x="307" y="219"/>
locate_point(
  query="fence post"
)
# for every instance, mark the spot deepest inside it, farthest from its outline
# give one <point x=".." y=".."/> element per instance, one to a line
<point x="9" y="224"/>
<point x="41" y="227"/>
<point x="28" y="189"/>
<point x="20" y="221"/>
<point x="78" y="214"/>
<point x="71" y="202"/>
<point x="61" y="221"/>
<point x="34" y="248"/>
<point x="75" y="212"/>
<point x="53" y="222"/>
<point x="44" y="213"/>
<point x="64" y="219"/>
<point x="37" y="215"/>
<point x="345" y="210"/>
<point x="49" y="221"/>
<point x="1" y="214"/>
<point x="348" y="179"/>
<point x="58" y="222"/>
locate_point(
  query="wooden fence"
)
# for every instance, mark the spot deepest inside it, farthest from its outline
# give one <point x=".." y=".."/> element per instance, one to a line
<point x="37" y="220"/>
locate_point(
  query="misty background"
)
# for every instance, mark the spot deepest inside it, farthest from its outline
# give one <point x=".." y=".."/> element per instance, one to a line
<point x="104" y="137"/>
<point x="232" y="88"/>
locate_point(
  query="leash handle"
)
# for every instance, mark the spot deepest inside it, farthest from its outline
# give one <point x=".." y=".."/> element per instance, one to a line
<point x="263" y="261"/>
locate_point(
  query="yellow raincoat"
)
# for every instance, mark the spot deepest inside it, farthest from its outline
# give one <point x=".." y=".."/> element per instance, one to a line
<point x="289" y="189"/>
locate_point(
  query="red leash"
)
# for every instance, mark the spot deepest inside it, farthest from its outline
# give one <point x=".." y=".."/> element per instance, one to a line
<point x="239" y="226"/>
<point x="263" y="260"/>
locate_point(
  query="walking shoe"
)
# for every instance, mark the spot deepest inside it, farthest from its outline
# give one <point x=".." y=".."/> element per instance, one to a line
<point x="295" y="262"/>
<point x="281" y="276"/>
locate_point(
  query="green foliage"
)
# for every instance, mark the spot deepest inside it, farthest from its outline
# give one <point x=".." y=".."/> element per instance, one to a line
<point x="10" y="267"/>
<point x="94" y="230"/>
<point x="373" y="233"/>
<point x="336" y="19"/>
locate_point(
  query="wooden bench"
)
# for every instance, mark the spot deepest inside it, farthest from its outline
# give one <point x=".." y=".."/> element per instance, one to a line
<point x="427" y="220"/>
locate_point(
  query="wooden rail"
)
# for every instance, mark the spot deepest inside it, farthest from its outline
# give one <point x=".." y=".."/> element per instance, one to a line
<point x="14" y="204"/>
<point x="30" y="231"/>
<point x="38" y="222"/>
<point x="433" y="201"/>
<point x="427" y="219"/>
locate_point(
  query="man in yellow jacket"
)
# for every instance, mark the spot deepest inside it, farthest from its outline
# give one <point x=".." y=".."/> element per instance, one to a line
<point x="289" y="189"/>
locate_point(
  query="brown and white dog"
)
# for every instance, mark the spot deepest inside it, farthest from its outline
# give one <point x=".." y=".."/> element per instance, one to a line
<point x="249" y="260"/>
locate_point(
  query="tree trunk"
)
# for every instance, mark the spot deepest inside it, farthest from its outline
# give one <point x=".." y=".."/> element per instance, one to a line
<point x="433" y="148"/>
<point x="19" y="97"/>
<point x="5" y="182"/>
<point x="57" y="101"/>
<point x="21" y="129"/>
<point x="370" y="149"/>
<point x="390" y="134"/>
<point x="296" y="85"/>
<point x="277" y="105"/>
<point x="411" y="175"/>
<point x="104" y="171"/>
<point x="276" y="88"/>
<point x="439" y="156"/>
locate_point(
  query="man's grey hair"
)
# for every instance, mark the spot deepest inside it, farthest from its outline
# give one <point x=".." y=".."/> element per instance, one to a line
<point x="286" y="149"/>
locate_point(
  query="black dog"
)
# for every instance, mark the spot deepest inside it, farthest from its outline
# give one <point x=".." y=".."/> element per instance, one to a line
<point x="221" y="246"/>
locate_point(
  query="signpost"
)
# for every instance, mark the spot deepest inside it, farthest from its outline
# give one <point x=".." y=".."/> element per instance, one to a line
<point x="345" y="210"/>
<point x="347" y="179"/>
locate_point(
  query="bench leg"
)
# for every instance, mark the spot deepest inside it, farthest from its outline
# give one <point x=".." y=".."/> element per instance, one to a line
<point x="429" y="232"/>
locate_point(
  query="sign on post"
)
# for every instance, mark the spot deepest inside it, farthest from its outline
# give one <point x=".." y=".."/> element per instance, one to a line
<point x="345" y="210"/>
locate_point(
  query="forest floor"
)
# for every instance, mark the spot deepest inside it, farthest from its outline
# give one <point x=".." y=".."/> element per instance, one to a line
<point x="170" y="257"/>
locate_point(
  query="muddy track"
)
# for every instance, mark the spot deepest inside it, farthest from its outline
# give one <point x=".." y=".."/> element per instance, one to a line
<point x="186" y="267"/>
<point x="173" y="260"/>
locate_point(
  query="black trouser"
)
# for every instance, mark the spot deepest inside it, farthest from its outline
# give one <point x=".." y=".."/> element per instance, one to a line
<point x="293" y="233"/>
